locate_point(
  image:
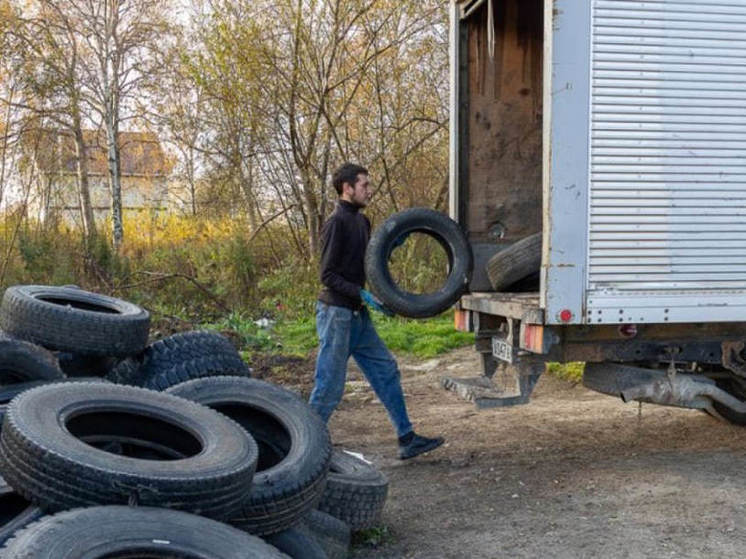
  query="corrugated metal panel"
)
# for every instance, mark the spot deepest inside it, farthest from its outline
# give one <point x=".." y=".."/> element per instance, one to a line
<point x="668" y="152"/>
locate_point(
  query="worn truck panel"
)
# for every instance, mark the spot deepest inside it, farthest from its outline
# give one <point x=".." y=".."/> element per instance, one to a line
<point x="623" y="122"/>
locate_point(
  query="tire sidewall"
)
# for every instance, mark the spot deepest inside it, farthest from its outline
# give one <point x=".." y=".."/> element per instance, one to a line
<point x="450" y="237"/>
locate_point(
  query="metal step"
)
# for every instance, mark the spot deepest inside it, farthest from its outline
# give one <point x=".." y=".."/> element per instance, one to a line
<point x="509" y="386"/>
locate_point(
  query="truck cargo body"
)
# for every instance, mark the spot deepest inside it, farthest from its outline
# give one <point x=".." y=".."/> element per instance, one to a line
<point x="617" y="128"/>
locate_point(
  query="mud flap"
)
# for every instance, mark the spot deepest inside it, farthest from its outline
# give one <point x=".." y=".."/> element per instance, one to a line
<point x="510" y="385"/>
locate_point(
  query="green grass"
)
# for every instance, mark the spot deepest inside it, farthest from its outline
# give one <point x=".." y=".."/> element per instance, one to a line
<point x="567" y="371"/>
<point x="297" y="337"/>
<point x="251" y="337"/>
<point x="421" y="338"/>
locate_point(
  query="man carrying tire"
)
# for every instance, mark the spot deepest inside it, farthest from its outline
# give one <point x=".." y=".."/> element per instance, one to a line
<point x="343" y="322"/>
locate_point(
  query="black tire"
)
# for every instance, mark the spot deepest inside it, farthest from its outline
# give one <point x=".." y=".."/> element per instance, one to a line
<point x="180" y="358"/>
<point x="296" y="544"/>
<point x="74" y="365"/>
<point x="10" y="391"/>
<point x="48" y="450"/>
<point x="294" y="448"/>
<point x="733" y="388"/>
<point x="113" y="531"/>
<point x="73" y="320"/>
<point x="332" y="534"/>
<point x="22" y="361"/>
<point x="7" y="393"/>
<point x="514" y="263"/>
<point x="355" y="492"/>
<point x="448" y="234"/>
<point x="15" y="511"/>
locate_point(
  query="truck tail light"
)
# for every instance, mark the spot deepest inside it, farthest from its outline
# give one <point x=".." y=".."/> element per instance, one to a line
<point x="462" y="321"/>
<point x="532" y="337"/>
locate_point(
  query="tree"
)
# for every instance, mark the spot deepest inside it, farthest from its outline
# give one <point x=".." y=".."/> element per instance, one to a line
<point x="306" y="70"/>
<point x="46" y="53"/>
<point x="226" y="67"/>
<point x="118" y="40"/>
<point x="178" y="112"/>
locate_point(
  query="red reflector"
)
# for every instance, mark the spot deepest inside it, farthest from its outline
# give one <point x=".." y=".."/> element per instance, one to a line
<point x="628" y="330"/>
<point x="566" y="315"/>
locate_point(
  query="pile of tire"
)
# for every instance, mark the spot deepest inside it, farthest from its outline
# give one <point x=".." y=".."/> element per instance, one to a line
<point x="114" y="447"/>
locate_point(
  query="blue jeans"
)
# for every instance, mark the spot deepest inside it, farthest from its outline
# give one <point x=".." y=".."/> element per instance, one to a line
<point x="343" y="332"/>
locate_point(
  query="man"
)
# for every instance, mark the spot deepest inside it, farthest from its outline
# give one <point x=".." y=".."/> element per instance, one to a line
<point x="342" y="321"/>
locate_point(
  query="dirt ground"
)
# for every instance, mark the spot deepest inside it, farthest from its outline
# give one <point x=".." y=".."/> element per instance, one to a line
<point x="572" y="474"/>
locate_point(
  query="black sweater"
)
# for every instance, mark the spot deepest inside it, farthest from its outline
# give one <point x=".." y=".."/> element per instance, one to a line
<point x="343" y="240"/>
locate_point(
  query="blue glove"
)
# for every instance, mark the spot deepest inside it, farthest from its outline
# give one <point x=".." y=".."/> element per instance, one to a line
<point x="399" y="241"/>
<point x="375" y="303"/>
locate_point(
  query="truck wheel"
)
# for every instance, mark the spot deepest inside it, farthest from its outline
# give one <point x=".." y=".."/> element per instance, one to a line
<point x="180" y="358"/>
<point x="23" y="361"/>
<point x="74" y="320"/>
<point x="15" y="511"/>
<point x="119" y="531"/>
<point x="48" y="450"/>
<point x="448" y="234"/>
<point x="294" y="448"/>
<point x="514" y="263"/>
<point x="355" y="492"/>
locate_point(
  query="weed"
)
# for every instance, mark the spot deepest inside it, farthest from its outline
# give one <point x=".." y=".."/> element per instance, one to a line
<point x="372" y="537"/>
<point x="567" y="371"/>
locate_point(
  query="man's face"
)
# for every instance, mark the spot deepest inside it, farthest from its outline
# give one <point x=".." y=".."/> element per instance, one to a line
<point x="359" y="193"/>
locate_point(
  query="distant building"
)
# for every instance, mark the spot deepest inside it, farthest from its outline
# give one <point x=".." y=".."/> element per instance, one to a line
<point x="144" y="171"/>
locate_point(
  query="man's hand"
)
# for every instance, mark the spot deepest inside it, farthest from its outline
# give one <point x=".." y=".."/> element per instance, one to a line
<point x="375" y="303"/>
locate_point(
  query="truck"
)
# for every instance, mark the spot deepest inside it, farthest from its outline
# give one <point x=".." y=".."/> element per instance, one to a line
<point x="616" y="130"/>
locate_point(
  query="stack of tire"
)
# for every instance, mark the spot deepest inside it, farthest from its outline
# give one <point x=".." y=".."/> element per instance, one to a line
<point x="167" y="449"/>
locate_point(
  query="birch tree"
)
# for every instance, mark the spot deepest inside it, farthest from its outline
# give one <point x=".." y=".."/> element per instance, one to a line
<point x="45" y="51"/>
<point x="118" y="40"/>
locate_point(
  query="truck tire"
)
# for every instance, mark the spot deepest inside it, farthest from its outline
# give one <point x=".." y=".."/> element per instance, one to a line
<point x="23" y="361"/>
<point x="330" y="533"/>
<point x="448" y="234"/>
<point x="180" y="358"/>
<point x="48" y="450"/>
<point x="296" y="544"/>
<point x="119" y="531"/>
<point x="355" y="492"/>
<point x="15" y="511"/>
<point x="294" y="448"/>
<point x="74" y="320"/>
<point x="514" y="263"/>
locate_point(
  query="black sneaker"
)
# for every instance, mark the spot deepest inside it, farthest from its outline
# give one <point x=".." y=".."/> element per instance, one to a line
<point x="418" y="445"/>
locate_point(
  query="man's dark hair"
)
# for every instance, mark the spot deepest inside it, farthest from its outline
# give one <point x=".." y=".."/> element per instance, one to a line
<point x="347" y="173"/>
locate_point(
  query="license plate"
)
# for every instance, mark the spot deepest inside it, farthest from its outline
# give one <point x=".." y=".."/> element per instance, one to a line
<point x="502" y="350"/>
